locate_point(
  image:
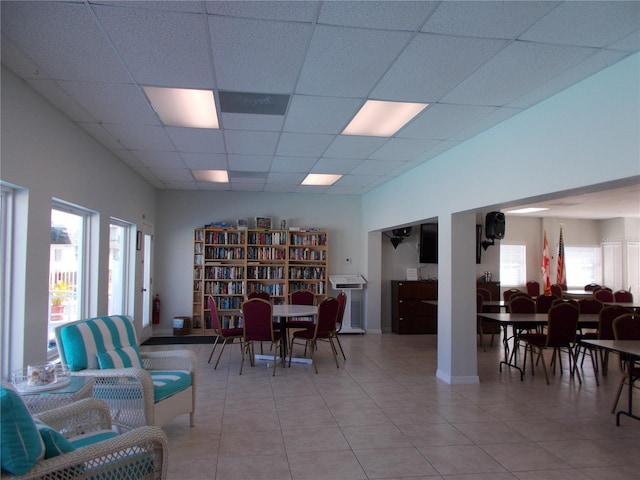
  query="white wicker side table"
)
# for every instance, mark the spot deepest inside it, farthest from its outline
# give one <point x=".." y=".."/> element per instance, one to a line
<point x="40" y="401"/>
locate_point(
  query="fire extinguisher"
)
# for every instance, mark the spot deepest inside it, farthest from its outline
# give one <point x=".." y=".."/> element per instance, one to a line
<point x="156" y="310"/>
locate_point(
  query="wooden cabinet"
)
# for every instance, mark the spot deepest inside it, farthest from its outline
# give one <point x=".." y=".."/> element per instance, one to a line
<point x="410" y="315"/>
<point x="228" y="264"/>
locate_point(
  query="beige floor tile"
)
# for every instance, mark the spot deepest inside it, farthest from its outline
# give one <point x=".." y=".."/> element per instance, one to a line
<point x="314" y="439"/>
<point x="341" y="465"/>
<point x="393" y="462"/>
<point x="253" y="467"/>
<point x="460" y="459"/>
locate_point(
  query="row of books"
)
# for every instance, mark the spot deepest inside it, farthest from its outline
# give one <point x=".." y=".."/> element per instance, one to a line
<point x="266" y="253"/>
<point x="267" y="238"/>
<point x="224" y="253"/>
<point x="224" y="288"/>
<point x="265" y="273"/>
<point x="307" y="254"/>
<point x="223" y="273"/>
<point x="307" y="273"/>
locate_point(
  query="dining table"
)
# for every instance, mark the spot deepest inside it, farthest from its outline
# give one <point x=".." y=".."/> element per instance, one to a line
<point x="282" y="313"/>
<point x="631" y="348"/>
<point x="520" y="320"/>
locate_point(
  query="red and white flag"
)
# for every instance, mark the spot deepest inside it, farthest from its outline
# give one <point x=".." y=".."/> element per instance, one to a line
<point x="545" y="265"/>
<point x="561" y="276"/>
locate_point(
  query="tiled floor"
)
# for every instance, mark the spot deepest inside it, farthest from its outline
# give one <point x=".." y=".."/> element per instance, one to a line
<point x="384" y="414"/>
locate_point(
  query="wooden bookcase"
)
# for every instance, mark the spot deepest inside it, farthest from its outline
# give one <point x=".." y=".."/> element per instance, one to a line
<point x="229" y="263"/>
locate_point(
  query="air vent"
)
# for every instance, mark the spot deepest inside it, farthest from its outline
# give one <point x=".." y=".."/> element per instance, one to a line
<point x="254" y="103"/>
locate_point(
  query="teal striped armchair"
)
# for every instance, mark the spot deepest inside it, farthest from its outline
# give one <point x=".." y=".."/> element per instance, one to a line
<point x="141" y="388"/>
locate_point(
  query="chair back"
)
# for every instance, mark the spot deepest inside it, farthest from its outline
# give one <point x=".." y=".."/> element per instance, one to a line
<point x="605" y="320"/>
<point x="590" y="287"/>
<point x="590" y="305"/>
<point x="257" y="320"/>
<point x="261" y="294"/>
<point x="100" y="342"/>
<point x="556" y="289"/>
<point x="562" y="300"/>
<point x="562" y="324"/>
<point x="327" y="316"/>
<point x="533" y="288"/>
<point x="506" y="295"/>
<point x="544" y="302"/>
<point x="627" y="327"/>
<point x="302" y="297"/>
<point x="486" y="294"/>
<point x="623" y="296"/>
<point x="522" y="304"/>
<point x="604" y="295"/>
<point x="213" y="310"/>
<point x="342" y="304"/>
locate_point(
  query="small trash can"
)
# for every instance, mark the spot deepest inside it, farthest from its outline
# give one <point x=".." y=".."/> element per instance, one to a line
<point x="181" y="326"/>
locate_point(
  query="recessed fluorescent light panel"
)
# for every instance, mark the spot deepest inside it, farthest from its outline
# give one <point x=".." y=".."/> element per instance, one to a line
<point x="212" y="176"/>
<point x="378" y="118"/>
<point x="528" y="210"/>
<point x="182" y="107"/>
<point x="321" y="179"/>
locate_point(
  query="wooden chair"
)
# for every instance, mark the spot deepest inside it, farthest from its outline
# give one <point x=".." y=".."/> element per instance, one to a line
<point x="321" y="330"/>
<point x="227" y="335"/>
<point x="257" y="324"/>
<point x="626" y="327"/>
<point x="562" y="326"/>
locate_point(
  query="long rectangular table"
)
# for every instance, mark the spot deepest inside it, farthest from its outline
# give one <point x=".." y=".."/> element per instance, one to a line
<point x="630" y="348"/>
<point x="526" y="319"/>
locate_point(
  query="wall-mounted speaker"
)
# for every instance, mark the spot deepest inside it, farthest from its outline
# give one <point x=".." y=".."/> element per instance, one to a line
<point x="494" y="225"/>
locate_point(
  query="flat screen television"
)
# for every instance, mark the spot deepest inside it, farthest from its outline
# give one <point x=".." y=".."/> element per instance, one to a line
<point x="429" y="243"/>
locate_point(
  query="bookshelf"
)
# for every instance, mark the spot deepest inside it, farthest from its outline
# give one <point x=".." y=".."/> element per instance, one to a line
<point x="228" y="264"/>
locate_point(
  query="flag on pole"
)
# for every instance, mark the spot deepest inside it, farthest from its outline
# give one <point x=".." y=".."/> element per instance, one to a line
<point x="561" y="276"/>
<point x="545" y="265"/>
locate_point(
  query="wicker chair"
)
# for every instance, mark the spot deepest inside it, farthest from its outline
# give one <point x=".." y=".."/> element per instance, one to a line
<point x="141" y="388"/>
<point x="92" y="449"/>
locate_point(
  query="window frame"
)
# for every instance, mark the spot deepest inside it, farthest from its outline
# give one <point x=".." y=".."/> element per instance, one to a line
<point x="127" y="262"/>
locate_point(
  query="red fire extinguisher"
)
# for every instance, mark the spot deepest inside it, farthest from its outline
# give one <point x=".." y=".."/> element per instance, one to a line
<point x="156" y="310"/>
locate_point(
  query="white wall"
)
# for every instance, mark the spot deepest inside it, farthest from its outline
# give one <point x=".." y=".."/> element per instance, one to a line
<point x="48" y="157"/>
<point x="182" y="212"/>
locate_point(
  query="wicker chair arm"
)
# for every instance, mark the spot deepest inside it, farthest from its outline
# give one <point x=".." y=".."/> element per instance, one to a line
<point x="86" y="415"/>
<point x="170" y="360"/>
<point x="119" y="458"/>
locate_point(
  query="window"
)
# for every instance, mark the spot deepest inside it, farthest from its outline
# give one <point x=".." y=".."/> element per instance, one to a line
<point x="513" y="265"/>
<point x="582" y="265"/>
<point x="6" y="229"/>
<point x="120" y="267"/>
<point x="68" y="264"/>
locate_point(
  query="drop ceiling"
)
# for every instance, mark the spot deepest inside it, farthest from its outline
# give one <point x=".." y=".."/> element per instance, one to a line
<point x="475" y="63"/>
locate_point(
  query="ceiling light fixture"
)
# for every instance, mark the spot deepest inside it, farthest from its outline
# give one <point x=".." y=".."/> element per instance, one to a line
<point x="212" y="176"/>
<point x="379" y="118"/>
<point x="183" y="107"/>
<point x="527" y="210"/>
<point x="321" y="179"/>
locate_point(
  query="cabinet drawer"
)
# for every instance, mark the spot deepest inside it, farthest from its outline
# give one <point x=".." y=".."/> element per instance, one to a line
<point x="418" y="290"/>
<point x="416" y="307"/>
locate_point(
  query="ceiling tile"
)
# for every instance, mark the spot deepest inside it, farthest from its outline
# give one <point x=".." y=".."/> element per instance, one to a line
<point x="243" y="121"/>
<point x="205" y="161"/>
<point x="271" y="10"/>
<point x="489" y="19"/>
<point x="373" y="14"/>
<point x="249" y="163"/>
<point x="591" y="24"/>
<point x="320" y="114"/>
<point x="285" y="178"/>
<point x="160" y="48"/>
<point x="432" y="65"/>
<point x="197" y="139"/>
<point x="52" y="91"/>
<point x="243" y="47"/>
<point x="354" y="146"/>
<point x="403" y="149"/>
<point x="159" y="159"/>
<point x="355" y="58"/>
<point x="112" y="102"/>
<point x="440" y="121"/>
<point x="293" y="164"/>
<point x="479" y="125"/>
<point x="335" y="165"/>
<point x="374" y="167"/>
<point x="303" y="144"/>
<point x="101" y="135"/>
<point x="141" y="137"/>
<point x="515" y="71"/>
<point x="171" y="175"/>
<point x="251" y="143"/>
<point x="45" y="29"/>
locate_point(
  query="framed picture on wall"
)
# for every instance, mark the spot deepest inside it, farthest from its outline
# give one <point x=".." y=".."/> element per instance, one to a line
<point x="263" y="222"/>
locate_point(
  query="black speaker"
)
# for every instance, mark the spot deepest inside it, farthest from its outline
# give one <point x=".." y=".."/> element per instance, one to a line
<point x="494" y="225"/>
